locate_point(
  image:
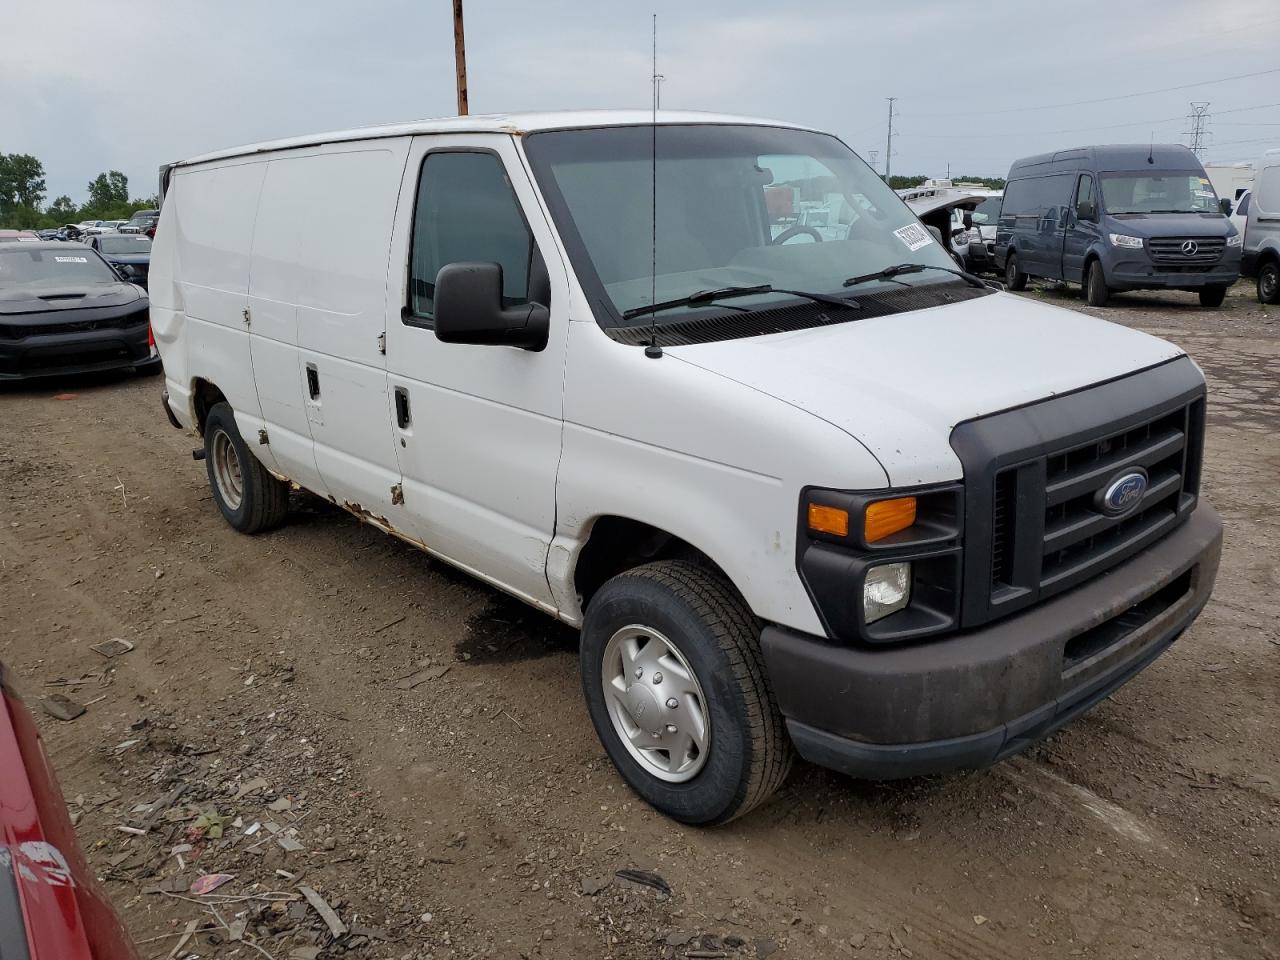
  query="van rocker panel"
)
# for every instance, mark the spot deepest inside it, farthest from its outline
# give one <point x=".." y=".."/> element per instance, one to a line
<point x="976" y="697"/>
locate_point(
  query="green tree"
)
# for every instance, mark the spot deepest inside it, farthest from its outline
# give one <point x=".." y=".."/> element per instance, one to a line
<point x="108" y="190"/>
<point x="63" y="210"/>
<point x="22" y="185"/>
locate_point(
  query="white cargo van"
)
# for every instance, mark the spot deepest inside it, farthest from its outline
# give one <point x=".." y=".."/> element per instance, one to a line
<point x="1260" y="208"/>
<point x="803" y="488"/>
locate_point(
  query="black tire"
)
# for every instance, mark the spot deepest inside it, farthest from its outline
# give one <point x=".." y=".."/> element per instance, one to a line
<point x="749" y="754"/>
<point x="1212" y="296"/>
<point x="264" y="500"/>
<point x="1269" y="282"/>
<point x="1095" y="285"/>
<point x="1014" y="278"/>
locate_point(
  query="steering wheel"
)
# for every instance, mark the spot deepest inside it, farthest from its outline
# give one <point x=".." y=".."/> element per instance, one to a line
<point x="795" y="231"/>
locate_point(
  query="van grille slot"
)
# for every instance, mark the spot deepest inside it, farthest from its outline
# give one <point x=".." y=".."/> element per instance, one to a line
<point x="1002" y="529"/>
<point x="1169" y="251"/>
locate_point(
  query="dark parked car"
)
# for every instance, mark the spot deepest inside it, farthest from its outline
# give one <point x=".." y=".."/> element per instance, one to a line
<point x="50" y="903"/>
<point x="129" y="253"/>
<point x="140" y="221"/>
<point x="63" y="309"/>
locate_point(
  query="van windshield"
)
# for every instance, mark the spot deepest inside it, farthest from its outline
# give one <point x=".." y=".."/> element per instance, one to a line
<point x="987" y="213"/>
<point x="1186" y="191"/>
<point x="736" y="206"/>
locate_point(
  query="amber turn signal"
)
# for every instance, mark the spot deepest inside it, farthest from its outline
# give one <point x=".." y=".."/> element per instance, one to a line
<point x="824" y="519"/>
<point x="885" y="517"/>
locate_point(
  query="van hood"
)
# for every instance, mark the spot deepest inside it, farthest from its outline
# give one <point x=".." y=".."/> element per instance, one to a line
<point x="1147" y="225"/>
<point x="900" y="383"/>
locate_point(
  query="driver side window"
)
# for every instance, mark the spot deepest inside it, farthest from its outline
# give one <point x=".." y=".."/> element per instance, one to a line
<point x="466" y="211"/>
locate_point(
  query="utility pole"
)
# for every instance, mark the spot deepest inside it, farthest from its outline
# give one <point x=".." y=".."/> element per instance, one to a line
<point x="1198" y="118"/>
<point x="460" y="57"/>
<point x="888" y="143"/>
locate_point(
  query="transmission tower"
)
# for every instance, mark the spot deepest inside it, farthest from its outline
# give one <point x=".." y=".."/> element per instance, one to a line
<point x="888" y="143"/>
<point x="1198" y="119"/>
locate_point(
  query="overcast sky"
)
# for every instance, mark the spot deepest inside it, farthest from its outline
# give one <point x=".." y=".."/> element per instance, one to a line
<point x="91" y="85"/>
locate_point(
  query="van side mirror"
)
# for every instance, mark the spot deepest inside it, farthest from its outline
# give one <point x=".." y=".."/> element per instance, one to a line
<point x="1086" y="210"/>
<point x="468" y="309"/>
<point x="1225" y="206"/>
<point x="968" y="219"/>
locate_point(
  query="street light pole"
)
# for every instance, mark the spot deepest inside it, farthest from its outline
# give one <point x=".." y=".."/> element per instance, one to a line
<point x="460" y="57"/>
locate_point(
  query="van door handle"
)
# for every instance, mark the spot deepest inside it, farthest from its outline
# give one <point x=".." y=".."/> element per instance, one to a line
<point x="313" y="381"/>
<point x="402" y="408"/>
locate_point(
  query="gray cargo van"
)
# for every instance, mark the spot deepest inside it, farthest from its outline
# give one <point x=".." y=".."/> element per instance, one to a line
<point x="1123" y="217"/>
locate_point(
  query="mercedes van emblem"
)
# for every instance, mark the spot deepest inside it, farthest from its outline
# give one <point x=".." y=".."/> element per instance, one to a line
<point x="1124" y="492"/>
<point x="1190" y="248"/>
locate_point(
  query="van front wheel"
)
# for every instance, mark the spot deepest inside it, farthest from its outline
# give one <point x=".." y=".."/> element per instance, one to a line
<point x="675" y="685"/>
<point x="1269" y="282"/>
<point x="1095" y="286"/>
<point x="1212" y="296"/>
<point x="250" y="498"/>
<point x="1014" y="278"/>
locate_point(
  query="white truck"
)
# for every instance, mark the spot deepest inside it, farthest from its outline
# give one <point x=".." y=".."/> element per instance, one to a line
<point x="802" y="490"/>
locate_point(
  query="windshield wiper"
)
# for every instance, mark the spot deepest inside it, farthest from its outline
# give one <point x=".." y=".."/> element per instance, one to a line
<point x="897" y="269"/>
<point x="725" y="293"/>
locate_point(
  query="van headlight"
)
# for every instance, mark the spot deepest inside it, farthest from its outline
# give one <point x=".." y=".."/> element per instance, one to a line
<point x="1122" y="240"/>
<point x="886" y="590"/>
<point x="883" y="566"/>
<point x="1236" y="241"/>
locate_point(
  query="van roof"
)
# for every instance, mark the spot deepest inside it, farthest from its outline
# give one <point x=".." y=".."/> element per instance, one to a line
<point x="1116" y="156"/>
<point x="510" y="123"/>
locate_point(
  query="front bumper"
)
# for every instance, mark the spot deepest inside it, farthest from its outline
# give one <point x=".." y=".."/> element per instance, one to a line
<point x="975" y="698"/>
<point x="54" y="354"/>
<point x="1140" y="273"/>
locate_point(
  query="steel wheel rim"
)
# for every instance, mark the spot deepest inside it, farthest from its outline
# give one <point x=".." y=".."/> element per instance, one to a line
<point x="656" y="703"/>
<point x="1011" y="271"/>
<point x="226" y="470"/>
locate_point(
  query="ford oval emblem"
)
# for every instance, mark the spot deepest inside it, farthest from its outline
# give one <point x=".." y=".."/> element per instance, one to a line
<point x="1124" y="492"/>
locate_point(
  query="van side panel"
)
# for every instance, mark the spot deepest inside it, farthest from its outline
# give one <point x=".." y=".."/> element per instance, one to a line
<point x="211" y="217"/>
<point x="344" y="208"/>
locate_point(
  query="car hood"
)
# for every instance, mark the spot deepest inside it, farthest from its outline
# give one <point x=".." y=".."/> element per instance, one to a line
<point x="899" y="384"/>
<point x="1149" y="225"/>
<point x="19" y="300"/>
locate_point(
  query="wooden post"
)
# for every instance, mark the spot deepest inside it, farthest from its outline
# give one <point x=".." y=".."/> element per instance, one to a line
<point x="460" y="57"/>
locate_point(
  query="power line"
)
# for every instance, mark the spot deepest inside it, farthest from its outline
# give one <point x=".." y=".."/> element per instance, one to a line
<point x="1122" y="96"/>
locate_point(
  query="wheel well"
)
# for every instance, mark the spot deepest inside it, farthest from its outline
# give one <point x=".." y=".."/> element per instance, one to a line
<point x="203" y="397"/>
<point x="617" y="544"/>
<point x="1089" y="258"/>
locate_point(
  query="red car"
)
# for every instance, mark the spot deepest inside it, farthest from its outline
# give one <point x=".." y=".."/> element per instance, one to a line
<point x="50" y="905"/>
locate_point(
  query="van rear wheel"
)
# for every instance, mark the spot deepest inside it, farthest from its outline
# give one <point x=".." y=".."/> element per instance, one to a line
<point x="1269" y="282"/>
<point x="675" y="685"/>
<point x="1014" y="278"/>
<point x="250" y="498"/>
<point x="1095" y="286"/>
<point x="1212" y="296"/>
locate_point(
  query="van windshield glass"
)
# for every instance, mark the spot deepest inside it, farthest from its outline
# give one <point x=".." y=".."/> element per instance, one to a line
<point x="1186" y="191"/>
<point x="736" y="206"/>
<point x="987" y="213"/>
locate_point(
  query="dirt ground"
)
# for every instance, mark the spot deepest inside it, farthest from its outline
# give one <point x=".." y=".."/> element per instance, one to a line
<point x="413" y="746"/>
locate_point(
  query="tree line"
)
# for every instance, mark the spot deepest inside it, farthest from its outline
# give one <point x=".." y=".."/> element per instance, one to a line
<point x="23" y="193"/>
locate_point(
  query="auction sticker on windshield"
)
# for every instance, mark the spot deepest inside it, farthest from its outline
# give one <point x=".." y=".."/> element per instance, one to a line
<point x="914" y="236"/>
<point x="72" y="259"/>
